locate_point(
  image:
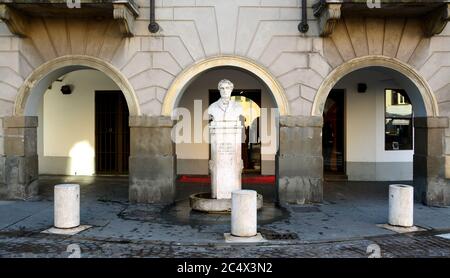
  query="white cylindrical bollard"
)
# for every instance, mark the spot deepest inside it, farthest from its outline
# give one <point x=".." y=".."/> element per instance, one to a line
<point x="67" y="206"/>
<point x="401" y="205"/>
<point x="243" y="213"/>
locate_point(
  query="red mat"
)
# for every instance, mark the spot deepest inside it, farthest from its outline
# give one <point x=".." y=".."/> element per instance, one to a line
<point x="246" y="180"/>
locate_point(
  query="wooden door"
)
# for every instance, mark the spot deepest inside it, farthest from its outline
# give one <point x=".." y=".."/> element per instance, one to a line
<point x="112" y="133"/>
<point x="333" y="139"/>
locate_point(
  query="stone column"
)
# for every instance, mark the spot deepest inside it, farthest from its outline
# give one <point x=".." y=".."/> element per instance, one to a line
<point x="299" y="160"/>
<point x="20" y="163"/>
<point x="430" y="184"/>
<point x="3" y="185"/>
<point x="152" y="160"/>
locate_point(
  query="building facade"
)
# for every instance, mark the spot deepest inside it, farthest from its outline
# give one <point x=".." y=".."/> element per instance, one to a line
<point x="357" y="88"/>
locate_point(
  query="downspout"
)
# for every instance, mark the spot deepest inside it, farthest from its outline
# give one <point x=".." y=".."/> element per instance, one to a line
<point x="153" y="27"/>
<point x="303" y="26"/>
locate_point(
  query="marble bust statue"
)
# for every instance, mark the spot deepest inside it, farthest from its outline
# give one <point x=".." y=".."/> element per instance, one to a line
<point x="225" y="109"/>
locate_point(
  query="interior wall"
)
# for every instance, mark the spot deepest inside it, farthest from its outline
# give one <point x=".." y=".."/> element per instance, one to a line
<point x="66" y="132"/>
<point x="192" y="158"/>
<point x="366" y="158"/>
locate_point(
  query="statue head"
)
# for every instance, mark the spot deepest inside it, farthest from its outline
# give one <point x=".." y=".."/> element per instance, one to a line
<point x="226" y="88"/>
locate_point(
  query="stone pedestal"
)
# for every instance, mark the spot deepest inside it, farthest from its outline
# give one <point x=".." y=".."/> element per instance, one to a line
<point x="226" y="161"/>
<point x="401" y="205"/>
<point x="67" y="206"/>
<point x="299" y="160"/>
<point x="243" y="213"/>
<point x="226" y="169"/>
<point x="152" y="160"/>
<point x="20" y="163"/>
<point x="430" y="185"/>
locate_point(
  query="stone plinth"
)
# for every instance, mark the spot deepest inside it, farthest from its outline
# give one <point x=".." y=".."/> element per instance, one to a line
<point x="401" y="205"/>
<point x="20" y="163"/>
<point x="299" y="160"/>
<point x="243" y="213"/>
<point x="67" y="206"/>
<point x="226" y="161"/>
<point x="152" y="160"/>
<point x="431" y="185"/>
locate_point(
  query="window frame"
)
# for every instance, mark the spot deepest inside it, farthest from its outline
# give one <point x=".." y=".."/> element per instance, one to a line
<point x="411" y="118"/>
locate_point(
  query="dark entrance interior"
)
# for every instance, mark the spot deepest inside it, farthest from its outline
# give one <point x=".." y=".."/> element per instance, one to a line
<point x="333" y="139"/>
<point x="112" y="133"/>
<point x="251" y="152"/>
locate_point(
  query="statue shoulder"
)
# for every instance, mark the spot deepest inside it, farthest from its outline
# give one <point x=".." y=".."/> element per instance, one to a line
<point x="212" y="107"/>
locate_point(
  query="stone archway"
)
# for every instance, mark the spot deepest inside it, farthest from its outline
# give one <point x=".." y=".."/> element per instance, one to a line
<point x="21" y="159"/>
<point x="62" y="65"/>
<point x="160" y="185"/>
<point x="430" y="103"/>
<point x="184" y="78"/>
<point x="430" y="183"/>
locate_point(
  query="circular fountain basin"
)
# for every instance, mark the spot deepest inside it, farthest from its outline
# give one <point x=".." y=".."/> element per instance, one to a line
<point x="204" y="202"/>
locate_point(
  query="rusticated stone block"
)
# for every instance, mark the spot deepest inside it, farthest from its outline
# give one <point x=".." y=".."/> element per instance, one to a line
<point x="20" y="121"/>
<point x="438" y="192"/>
<point x="431" y="122"/>
<point x="152" y="160"/>
<point x="150" y="121"/>
<point x="151" y="141"/>
<point x="300" y="165"/>
<point x="299" y="160"/>
<point x="301" y="140"/>
<point x="431" y="186"/>
<point x="3" y="185"/>
<point x="155" y="190"/>
<point x="300" y="190"/>
<point x="151" y="136"/>
<point x="300" y="121"/>
<point x="152" y="179"/>
<point x="20" y="141"/>
<point x="21" y="176"/>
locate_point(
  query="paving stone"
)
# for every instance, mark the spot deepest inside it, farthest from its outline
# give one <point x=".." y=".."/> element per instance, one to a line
<point x="345" y="225"/>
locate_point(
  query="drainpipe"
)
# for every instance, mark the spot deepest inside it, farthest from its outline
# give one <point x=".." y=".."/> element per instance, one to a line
<point x="303" y="26"/>
<point x="153" y="27"/>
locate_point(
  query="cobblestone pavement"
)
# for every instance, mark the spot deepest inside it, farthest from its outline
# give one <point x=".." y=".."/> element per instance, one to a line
<point x="55" y="246"/>
<point x="346" y="225"/>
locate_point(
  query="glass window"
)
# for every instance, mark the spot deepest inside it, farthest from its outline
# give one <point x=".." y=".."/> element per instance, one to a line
<point x="398" y="120"/>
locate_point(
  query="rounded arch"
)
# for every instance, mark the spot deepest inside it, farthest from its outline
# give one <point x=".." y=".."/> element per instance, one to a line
<point x="188" y="75"/>
<point x="429" y="101"/>
<point x="41" y="78"/>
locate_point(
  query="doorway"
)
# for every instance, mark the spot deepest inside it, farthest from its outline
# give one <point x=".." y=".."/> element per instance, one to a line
<point x="112" y="133"/>
<point x="333" y="139"/>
